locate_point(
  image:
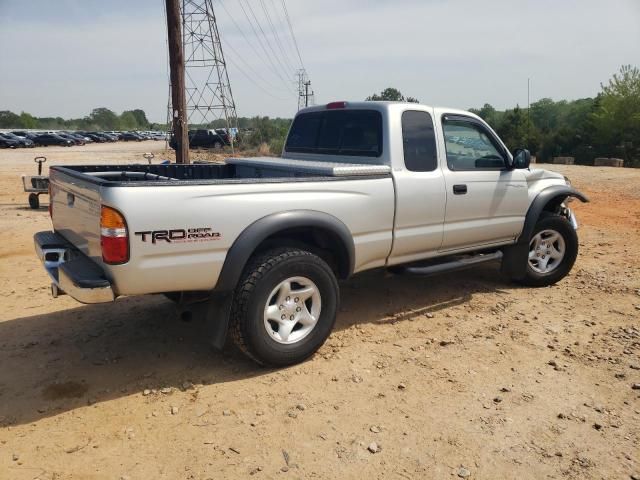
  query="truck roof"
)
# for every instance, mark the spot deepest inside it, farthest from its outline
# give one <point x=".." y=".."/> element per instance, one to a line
<point x="383" y="106"/>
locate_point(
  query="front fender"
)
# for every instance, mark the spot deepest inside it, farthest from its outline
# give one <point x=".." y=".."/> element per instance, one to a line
<point x="549" y="197"/>
<point x="514" y="261"/>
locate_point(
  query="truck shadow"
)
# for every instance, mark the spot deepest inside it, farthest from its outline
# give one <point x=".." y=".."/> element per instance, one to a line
<point x="57" y="362"/>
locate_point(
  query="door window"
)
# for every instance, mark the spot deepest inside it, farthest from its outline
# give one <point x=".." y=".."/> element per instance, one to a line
<point x="418" y="141"/>
<point x="471" y="147"/>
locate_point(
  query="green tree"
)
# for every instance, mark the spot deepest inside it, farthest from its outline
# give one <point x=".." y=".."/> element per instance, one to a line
<point x="128" y="121"/>
<point x="391" y="95"/>
<point x="27" y="120"/>
<point x="9" y="119"/>
<point x="104" y="117"/>
<point x="488" y="114"/>
<point x="616" y="120"/>
<point x="140" y="118"/>
<point x="513" y="129"/>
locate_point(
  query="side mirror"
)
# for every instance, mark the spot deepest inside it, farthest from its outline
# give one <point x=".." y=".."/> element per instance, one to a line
<point x="521" y="158"/>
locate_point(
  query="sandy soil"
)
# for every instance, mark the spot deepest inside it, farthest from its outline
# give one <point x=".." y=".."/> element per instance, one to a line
<point x="463" y="375"/>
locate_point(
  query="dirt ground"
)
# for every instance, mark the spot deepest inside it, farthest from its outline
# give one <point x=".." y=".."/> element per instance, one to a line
<point x="462" y="375"/>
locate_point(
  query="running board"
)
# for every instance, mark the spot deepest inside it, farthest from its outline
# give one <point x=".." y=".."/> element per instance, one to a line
<point x="458" y="264"/>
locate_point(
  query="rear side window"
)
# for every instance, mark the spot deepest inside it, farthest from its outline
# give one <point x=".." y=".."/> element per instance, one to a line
<point x="418" y="141"/>
<point x="337" y="132"/>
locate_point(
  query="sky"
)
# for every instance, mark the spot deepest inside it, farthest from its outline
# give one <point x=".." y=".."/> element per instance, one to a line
<point x="67" y="57"/>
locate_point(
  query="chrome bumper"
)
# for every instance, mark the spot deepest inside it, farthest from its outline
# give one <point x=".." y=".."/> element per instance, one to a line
<point x="71" y="272"/>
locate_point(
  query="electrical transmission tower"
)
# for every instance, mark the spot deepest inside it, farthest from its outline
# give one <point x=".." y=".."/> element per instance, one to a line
<point x="305" y="94"/>
<point x="207" y="86"/>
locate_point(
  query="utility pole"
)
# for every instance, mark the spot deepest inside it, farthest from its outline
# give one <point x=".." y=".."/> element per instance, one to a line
<point x="307" y="84"/>
<point x="176" y="64"/>
<point x="304" y="96"/>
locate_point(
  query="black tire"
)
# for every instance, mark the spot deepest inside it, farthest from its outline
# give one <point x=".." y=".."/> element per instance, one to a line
<point x="263" y="273"/>
<point x="560" y="224"/>
<point x="34" y="201"/>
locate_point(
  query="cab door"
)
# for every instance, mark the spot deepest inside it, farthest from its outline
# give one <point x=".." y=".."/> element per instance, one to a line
<point x="486" y="200"/>
<point x="420" y="191"/>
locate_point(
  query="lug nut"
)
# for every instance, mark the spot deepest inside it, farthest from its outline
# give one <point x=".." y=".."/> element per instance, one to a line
<point x="296" y="299"/>
<point x="283" y="317"/>
<point x="288" y="298"/>
<point x="291" y="317"/>
<point x="298" y="309"/>
<point x="281" y="307"/>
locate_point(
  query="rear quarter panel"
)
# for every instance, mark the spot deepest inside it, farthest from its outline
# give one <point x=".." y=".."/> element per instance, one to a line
<point x="365" y="206"/>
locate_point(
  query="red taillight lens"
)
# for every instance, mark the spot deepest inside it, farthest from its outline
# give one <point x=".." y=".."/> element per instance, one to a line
<point x="335" y="105"/>
<point x="114" y="237"/>
<point x="50" y="202"/>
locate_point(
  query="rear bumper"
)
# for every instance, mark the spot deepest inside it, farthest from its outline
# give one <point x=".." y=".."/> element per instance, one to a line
<point x="71" y="271"/>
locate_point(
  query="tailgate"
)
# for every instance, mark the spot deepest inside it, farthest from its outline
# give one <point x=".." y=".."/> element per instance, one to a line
<point x="76" y="212"/>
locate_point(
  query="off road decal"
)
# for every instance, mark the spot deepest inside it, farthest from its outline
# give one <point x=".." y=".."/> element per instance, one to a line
<point x="180" y="235"/>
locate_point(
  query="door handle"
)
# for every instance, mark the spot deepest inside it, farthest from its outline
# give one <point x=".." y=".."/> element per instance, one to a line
<point x="459" y="189"/>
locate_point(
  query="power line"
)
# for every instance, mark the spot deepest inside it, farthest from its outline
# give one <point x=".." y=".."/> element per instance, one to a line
<point x="248" y="77"/>
<point x="285" y="56"/>
<point x="293" y="36"/>
<point x="271" y="67"/>
<point x="255" y="32"/>
<point x="282" y="21"/>
<point x="253" y="14"/>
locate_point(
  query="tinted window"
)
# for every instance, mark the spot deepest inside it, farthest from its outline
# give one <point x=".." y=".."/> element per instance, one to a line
<point x="470" y="146"/>
<point x="419" y="143"/>
<point x="337" y="132"/>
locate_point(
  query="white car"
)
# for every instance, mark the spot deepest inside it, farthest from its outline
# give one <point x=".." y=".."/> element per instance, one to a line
<point x="257" y="245"/>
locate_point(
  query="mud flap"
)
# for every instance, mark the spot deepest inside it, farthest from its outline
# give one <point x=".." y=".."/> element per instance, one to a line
<point x="514" y="261"/>
<point x="217" y="311"/>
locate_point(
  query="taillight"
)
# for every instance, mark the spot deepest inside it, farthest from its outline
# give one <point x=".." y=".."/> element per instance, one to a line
<point x="114" y="237"/>
<point x="336" y="105"/>
<point x="50" y="202"/>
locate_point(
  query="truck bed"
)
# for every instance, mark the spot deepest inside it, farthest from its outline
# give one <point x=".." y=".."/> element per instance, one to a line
<point x="235" y="170"/>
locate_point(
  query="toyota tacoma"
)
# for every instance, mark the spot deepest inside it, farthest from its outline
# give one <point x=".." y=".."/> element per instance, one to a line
<point x="258" y="245"/>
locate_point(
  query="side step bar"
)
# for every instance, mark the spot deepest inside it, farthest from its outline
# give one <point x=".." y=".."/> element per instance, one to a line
<point x="452" y="265"/>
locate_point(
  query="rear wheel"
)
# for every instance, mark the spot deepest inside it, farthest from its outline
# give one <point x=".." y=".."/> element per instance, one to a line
<point x="553" y="249"/>
<point x="34" y="201"/>
<point x="284" y="307"/>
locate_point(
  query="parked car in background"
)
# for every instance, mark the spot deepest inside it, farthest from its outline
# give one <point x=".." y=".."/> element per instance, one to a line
<point x="76" y="141"/>
<point x="96" y="138"/>
<point x="109" y="137"/>
<point x="23" y="141"/>
<point x="226" y="137"/>
<point x="130" y="137"/>
<point x="158" y="136"/>
<point x="47" y="139"/>
<point x="8" y="142"/>
<point x="84" y="138"/>
<point x="202" y="139"/>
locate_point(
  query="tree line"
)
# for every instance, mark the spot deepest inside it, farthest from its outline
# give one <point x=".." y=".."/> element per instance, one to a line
<point x="607" y="125"/>
<point x="99" y="119"/>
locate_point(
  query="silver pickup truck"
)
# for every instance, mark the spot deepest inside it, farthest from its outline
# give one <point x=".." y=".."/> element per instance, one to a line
<point x="258" y="245"/>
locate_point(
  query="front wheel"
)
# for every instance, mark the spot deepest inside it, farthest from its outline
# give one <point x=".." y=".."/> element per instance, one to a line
<point x="553" y="249"/>
<point x="284" y="307"/>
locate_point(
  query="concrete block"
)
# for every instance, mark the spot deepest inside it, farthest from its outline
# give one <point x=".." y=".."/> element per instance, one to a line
<point x="608" y="162"/>
<point x="564" y="160"/>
